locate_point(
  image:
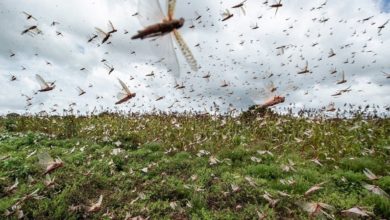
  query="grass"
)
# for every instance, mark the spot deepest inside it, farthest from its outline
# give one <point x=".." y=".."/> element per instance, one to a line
<point x="181" y="182"/>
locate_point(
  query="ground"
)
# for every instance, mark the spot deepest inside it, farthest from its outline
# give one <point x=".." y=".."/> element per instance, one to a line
<point x="194" y="167"/>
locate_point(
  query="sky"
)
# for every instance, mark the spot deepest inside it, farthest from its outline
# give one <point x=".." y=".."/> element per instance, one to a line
<point x="240" y="54"/>
<point x="386" y="5"/>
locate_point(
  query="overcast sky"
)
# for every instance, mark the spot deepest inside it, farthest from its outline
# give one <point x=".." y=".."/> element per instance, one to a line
<point x="232" y="52"/>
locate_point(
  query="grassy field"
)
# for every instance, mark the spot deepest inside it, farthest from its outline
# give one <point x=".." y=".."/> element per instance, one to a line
<point x="194" y="167"/>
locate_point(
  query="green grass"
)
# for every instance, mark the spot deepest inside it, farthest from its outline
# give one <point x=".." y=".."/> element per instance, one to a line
<point x="169" y="147"/>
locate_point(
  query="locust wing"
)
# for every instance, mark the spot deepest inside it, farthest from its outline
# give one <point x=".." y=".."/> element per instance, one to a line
<point x="124" y="93"/>
<point x="111" y="25"/>
<point x="45" y="159"/>
<point x="226" y="13"/>
<point x="41" y="81"/>
<point x="258" y="96"/>
<point x="163" y="48"/>
<point x="100" y="32"/>
<point x="150" y="12"/>
<point x="121" y="95"/>
<point x="243" y="10"/>
<point x="171" y="8"/>
<point x="186" y="51"/>
<point x="307" y="65"/>
<point x="125" y="89"/>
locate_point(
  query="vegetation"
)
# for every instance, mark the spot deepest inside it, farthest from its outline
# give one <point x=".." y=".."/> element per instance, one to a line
<point x="194" y="166"/>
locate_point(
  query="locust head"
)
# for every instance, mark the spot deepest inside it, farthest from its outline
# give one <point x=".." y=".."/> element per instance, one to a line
<point x="279" y="99"/>
<point x="179" y="23"/>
